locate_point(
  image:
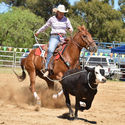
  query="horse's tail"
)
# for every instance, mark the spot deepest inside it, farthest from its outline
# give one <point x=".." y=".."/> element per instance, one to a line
<point x="23" y="76"/>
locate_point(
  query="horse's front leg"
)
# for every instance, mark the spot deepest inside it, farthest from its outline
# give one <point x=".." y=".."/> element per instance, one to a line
<point x="55" y="96"/>
<point x="32" y="75"/>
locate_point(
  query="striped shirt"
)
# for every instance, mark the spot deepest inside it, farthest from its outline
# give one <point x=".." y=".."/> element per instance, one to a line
<point x="57" y="26"/>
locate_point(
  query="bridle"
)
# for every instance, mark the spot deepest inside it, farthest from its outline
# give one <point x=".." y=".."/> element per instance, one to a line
<point x="87" y="44"/>
<point x="77" y="44"/>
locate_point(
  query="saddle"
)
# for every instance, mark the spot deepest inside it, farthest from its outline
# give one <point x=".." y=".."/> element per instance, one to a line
<point x="58" y="53"/>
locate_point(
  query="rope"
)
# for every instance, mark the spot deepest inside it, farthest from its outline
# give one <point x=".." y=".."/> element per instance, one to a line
<point x="71" y="75"/>
<point x="37" y="37"/>
<point x="63" y="77"/>
<point x="89" y="83"/>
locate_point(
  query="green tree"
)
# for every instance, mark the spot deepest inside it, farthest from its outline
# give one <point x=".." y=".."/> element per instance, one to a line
<point x="110" y="2"/>
<point x="97" y="16"/>
<point x="15" y="2"/>
<point x="41" y="8"/>
<point x="112" y="31"/>
<point x="122" y="8"/>
<point x="44" y="8"/>
<point x="16" y="28"/>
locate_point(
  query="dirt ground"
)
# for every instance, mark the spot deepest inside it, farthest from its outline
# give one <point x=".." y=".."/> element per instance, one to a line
<point x="17" y="104"/>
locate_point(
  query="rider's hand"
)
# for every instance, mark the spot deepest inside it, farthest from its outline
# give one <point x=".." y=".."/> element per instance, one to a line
<point x="36" y="34"/>
<point x="70" y="30"/>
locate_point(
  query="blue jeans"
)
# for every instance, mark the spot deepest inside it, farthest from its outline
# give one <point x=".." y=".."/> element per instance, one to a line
<point x="53" y="42"/>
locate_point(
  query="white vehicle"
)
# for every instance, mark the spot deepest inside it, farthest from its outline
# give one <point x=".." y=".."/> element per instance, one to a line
<point x="106" y="61"/>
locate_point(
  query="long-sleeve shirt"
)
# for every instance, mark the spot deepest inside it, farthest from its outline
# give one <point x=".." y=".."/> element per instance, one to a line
<point x="57" y="26"/>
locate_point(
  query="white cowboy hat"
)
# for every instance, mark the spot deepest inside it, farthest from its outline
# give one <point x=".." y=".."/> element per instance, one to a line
<point x="60" y="8"/>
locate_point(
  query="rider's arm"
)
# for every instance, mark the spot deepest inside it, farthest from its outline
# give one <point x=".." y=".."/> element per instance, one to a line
<point x="44" y="27"/>
<point x="69" y="26"/>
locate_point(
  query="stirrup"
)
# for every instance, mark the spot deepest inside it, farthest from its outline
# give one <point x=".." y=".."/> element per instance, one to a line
<point x="46" y="74"/>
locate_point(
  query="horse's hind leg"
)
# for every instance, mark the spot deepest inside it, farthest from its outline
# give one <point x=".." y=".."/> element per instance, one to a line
<point x="50" y="83"/>
<point x="32" y="75"/>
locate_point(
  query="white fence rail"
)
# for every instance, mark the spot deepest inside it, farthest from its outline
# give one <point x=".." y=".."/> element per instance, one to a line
<point x="10" y="58"/>
<point x="13" y="59"/>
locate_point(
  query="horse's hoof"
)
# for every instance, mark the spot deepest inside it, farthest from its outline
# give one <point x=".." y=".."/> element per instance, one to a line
<point x="37" y="108"/>
<point x="55" y="96"/>
<point x="38" y="102"/>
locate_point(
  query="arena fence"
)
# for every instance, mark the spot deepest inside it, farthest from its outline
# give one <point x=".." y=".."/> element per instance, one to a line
<point x="11" y="57"/>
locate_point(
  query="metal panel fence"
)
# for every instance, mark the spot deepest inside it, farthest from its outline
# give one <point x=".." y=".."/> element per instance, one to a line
<point x="13" y="59"/>
<point x="10" y="58"/>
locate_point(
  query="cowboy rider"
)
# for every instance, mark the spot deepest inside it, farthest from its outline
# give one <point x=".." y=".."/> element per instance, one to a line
<point x="59" y="25"/>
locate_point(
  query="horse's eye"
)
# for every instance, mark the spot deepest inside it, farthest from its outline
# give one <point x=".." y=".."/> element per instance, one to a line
<point x="84" y="36"/>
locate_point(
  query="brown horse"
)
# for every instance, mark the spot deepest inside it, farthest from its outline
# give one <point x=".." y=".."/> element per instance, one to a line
<point x="33" y="64"/>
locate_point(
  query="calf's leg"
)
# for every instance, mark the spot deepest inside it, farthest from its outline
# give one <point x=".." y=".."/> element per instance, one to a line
<point x="88" y="103"/>
<point x="77" y="107"/>
<point x="68" y="104"/>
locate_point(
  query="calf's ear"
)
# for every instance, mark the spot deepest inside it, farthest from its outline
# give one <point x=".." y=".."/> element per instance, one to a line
<point x="89" y="69"/>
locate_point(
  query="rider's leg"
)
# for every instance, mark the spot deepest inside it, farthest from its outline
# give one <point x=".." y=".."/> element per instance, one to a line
<point x="53" y="42"/>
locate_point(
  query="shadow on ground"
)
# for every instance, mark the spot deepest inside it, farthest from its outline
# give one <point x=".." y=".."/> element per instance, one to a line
<point x="67" y="116"/>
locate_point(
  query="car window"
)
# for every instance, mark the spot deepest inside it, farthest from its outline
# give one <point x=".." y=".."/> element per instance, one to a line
<point x="104" y="62"/>
<point x="93" y="61"/>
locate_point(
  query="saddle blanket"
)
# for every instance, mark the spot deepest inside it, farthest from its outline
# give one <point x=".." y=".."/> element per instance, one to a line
<point x="40" y="51"/>
<point x="57" y="56"/>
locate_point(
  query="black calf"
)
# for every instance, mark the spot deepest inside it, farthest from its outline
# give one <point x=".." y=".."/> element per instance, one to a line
<point x="83" y="85"/>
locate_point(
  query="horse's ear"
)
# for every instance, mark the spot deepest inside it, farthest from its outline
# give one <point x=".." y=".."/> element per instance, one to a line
<point x="81" y="28"/>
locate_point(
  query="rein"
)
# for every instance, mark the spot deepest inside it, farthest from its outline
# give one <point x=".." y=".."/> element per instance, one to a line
<point x="87" y="44"/>
<point x="76" y="43"/>
<point x="89" y="83"/>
